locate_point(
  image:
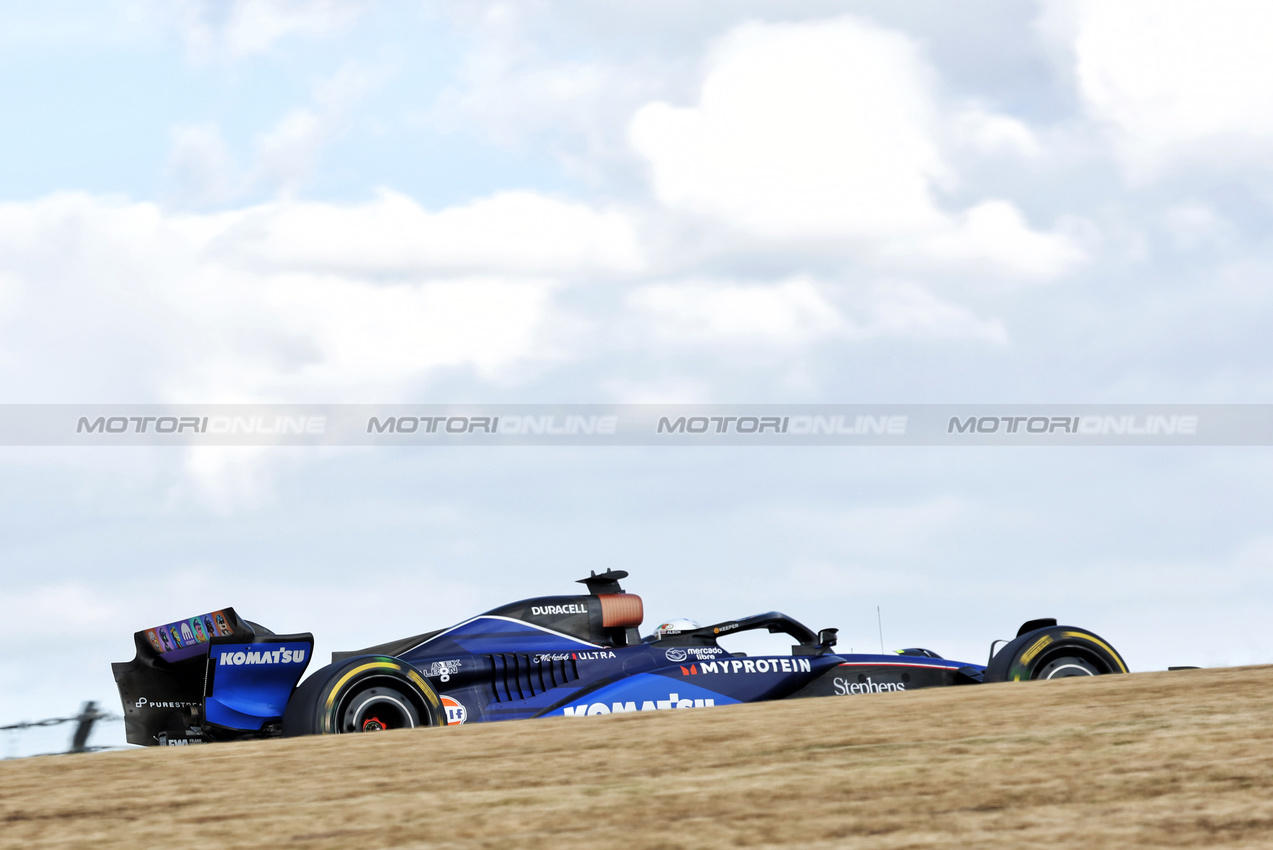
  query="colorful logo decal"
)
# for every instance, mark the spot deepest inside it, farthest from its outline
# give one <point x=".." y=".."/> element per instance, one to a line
<point x="456" y="713"/>
<point x="189" y="634"/>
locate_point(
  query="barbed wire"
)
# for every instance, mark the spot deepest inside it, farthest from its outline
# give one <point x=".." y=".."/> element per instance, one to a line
<point x="55" y="721"/>
<point x="89" y="716"/>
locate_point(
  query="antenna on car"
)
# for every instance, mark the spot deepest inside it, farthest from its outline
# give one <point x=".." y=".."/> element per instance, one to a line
<point x="880" y="622"/>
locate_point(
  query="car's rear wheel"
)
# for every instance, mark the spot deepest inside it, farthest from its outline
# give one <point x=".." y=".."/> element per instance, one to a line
<point x="365" y="694"/>
<point x="376" y="709"/>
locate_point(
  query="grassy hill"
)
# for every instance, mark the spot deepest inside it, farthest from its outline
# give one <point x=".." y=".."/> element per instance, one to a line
<point x="1180" y="759"/>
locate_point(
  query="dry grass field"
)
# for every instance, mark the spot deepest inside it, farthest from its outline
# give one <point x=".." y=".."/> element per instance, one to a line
<point x="1180" y="759"/>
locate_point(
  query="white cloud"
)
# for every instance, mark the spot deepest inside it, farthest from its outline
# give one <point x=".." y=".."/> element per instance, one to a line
<point x="511" y="90"/>
<point x="792" y="311"/>
<point x="394" y="333"/>
<point x="239" y="28"/>
<point x="669" y="389"/>
<point x="261" y="304"/>
<point x="993" y="235"/>
<point x="1175" y="80"/>
<point x="994" y="133"/>
<point x="228" y="478"/>
<point x="77" y="609"/>
<point x="508" y="89"/>
<point x="900" y="309"/>
<point x="799" y="310"/>
<point x="819" y="130"/>
<point x="201" y="170"/>
<point x="514" y="232"/>
<point x="1246" y="570"/>
<point x="1194" y="225"/>
<point x="10" y="297"/>
<point x="287" y="153"/>
<point x="880" y="533"/>
<point x="829" y="135"/>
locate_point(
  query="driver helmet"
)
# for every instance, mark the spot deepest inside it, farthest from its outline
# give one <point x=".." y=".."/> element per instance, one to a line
<point x="679" y="624"/>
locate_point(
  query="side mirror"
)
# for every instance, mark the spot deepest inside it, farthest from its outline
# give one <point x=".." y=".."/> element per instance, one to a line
<point x="827" y="638"/>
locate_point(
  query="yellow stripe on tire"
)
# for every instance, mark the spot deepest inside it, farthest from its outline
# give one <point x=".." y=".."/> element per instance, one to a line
<point x="335" y="691"/>
<point x="425" y="688"/>
<point x="1102" y="644"/>
<point x="1028" y="655"/>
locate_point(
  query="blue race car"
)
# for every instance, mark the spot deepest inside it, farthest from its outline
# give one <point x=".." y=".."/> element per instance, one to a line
<point x="554" y="655"/>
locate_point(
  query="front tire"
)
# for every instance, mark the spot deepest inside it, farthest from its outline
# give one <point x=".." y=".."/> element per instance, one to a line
<point x="365" y="694"/>
<point x="1054" y="652"/>
<point x="1067" y="667"/>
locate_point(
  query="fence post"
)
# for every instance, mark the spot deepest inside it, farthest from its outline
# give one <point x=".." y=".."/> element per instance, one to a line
<point x="87" y="717"/>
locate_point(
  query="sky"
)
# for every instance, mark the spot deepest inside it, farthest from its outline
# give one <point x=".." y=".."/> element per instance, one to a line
<point x="349" y="201"/>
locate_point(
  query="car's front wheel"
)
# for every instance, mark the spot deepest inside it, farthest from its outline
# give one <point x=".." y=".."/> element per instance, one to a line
<point x="1065" y="667"/>
<point x="1054" y="652"/>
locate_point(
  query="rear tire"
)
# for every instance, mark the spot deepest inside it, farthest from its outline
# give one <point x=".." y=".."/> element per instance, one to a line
<point x="375" y="709"/>
<point x="364" y="694"/>
<point x="1054" y="652"/>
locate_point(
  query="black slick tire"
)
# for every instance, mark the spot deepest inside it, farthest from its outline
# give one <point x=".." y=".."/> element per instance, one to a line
<point x="347" y="696"/>
<point x="1054" y="652"/>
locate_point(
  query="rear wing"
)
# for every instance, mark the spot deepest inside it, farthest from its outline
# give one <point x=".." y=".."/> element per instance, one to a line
<point x="209" y="677"/>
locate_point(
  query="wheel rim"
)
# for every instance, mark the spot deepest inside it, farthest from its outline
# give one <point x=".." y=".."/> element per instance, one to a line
<point x="377" y="710"/>
<point x="1067" y="668"/>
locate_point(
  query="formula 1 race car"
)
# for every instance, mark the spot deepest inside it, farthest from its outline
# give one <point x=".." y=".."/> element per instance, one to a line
<point x="218" y="677"/>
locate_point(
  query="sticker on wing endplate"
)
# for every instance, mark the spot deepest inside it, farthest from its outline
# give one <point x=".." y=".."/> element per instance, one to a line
<point x="288" y="653"/>
<point x="182" y="634"/>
